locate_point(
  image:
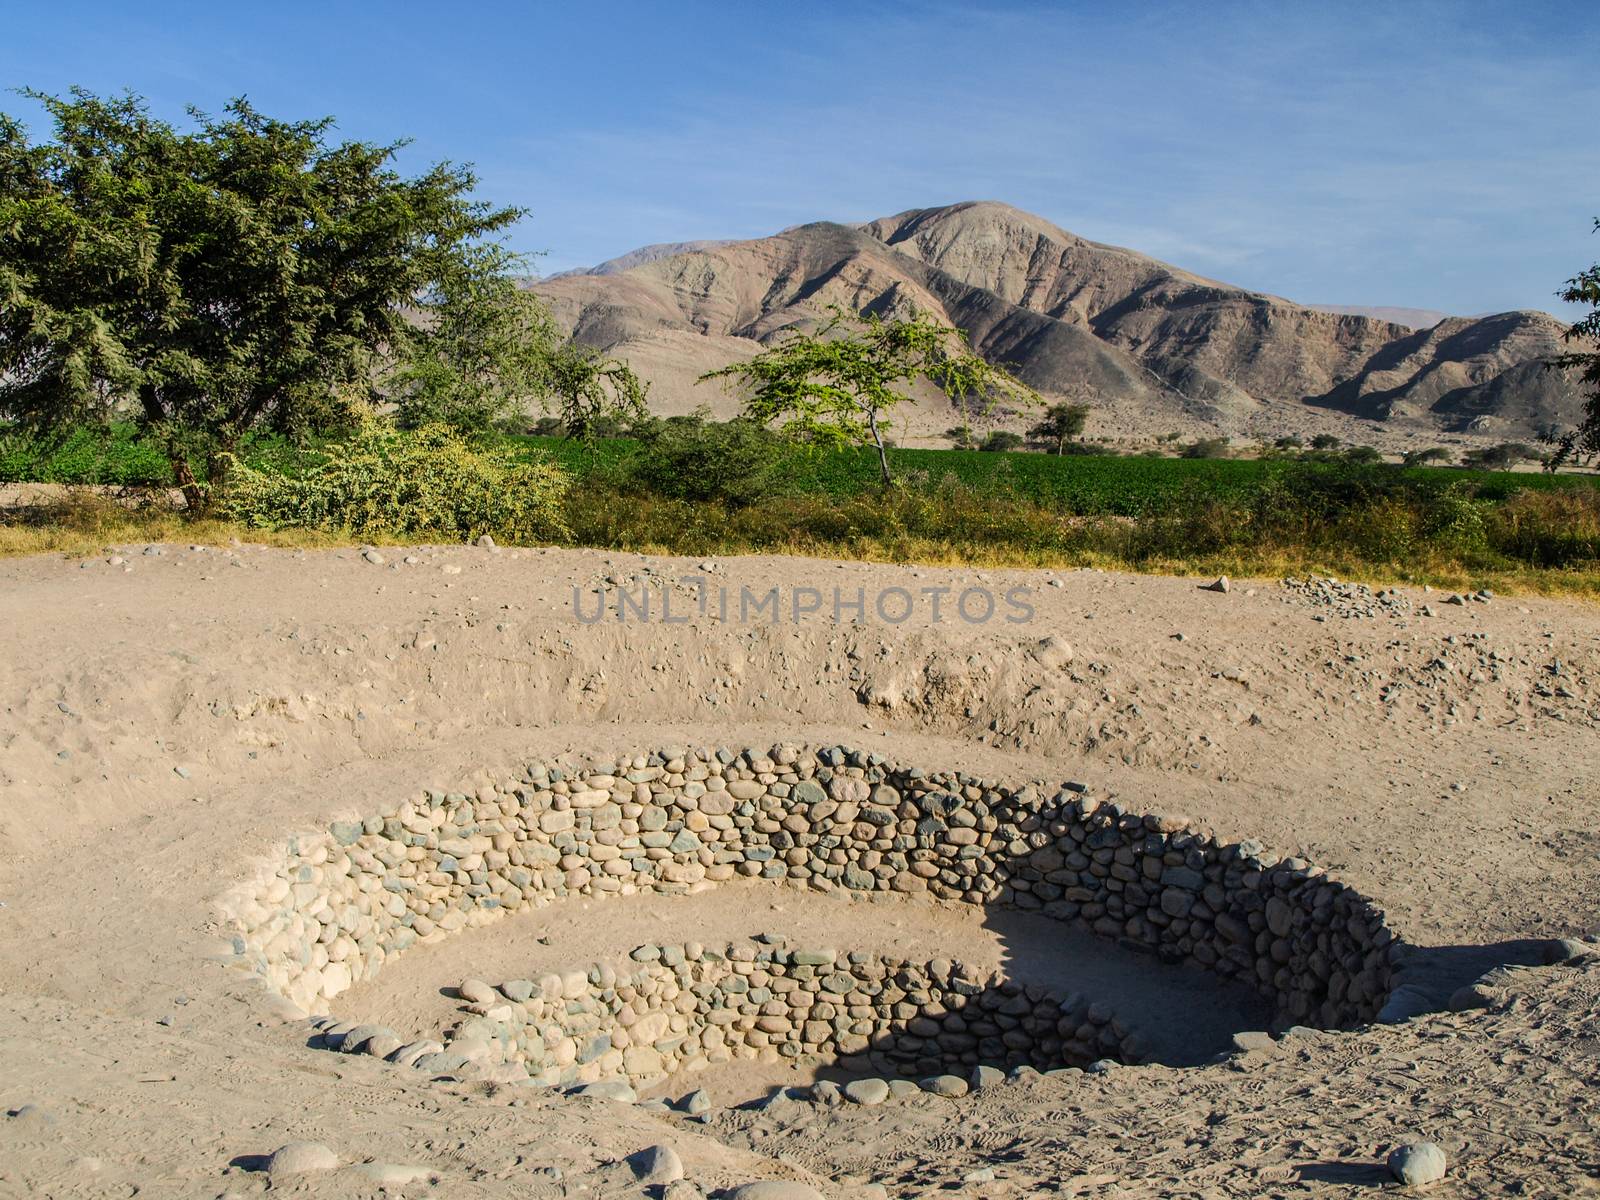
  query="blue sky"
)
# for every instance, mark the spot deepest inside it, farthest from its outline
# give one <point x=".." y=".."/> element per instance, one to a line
<point x="1426" y="154"/>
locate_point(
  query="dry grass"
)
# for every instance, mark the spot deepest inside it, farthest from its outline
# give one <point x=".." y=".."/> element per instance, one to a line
<point x="81" y="523"/>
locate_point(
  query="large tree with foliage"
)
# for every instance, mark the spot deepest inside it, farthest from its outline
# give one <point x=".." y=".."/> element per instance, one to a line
<point x="1584" y="441"/>
<point x="241" y="273"/>
<point x="839" y="385"/>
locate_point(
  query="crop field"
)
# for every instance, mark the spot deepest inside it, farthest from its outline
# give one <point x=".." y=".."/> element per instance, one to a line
<point x="1087" y="485"/>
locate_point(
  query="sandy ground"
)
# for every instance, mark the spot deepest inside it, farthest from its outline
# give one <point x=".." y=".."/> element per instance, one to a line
<point x="166" y="719"/>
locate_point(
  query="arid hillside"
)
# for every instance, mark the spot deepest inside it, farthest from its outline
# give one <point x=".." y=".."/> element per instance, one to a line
<point x="1151" y="346"/>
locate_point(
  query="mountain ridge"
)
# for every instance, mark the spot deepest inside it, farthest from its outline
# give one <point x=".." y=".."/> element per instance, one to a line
<point x="1140" y="339"/>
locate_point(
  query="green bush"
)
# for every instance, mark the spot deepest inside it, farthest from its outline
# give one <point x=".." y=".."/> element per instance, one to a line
<point x="112" y="456"/>
<point x="1002" y="441"/>
<point x="690" y="458"/>
<point x="431" y="482"/>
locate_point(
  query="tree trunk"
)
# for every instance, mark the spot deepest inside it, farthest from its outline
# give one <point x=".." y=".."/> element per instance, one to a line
<point x="217" y="464"/>
<point x="883" y="452"/>
<point x="194" y="496"/>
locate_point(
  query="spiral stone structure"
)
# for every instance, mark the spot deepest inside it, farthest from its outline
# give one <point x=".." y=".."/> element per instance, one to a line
<point x="341" y="902"/>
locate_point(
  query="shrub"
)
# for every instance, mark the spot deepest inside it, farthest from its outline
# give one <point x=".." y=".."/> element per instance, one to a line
<point x="1555" y="528"/>
<point x="690" y="458"/>
<point x="385" y="483"/>
<point x="1212" y="447"/>
<point x="1454" y="520"/>
<point x="1002" y="441"/>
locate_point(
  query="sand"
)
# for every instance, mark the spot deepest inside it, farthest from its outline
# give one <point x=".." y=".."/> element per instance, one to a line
<point x="168" y="718"/>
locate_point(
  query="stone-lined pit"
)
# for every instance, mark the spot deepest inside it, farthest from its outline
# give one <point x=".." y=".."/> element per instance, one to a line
<point x="340" y="903"/>
<point x="683" y="1008"/>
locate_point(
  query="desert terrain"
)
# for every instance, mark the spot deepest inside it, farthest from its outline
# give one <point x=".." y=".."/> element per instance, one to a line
<point x="179" y="722"/>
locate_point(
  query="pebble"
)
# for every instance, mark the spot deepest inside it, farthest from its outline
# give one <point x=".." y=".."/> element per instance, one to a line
<point x="774" y="1189"/>
<point x="476" y="991"/>
<point x="867" y="1092"/>
<point x="983" y="1076"/>
<point x="373" y="557"/>
<point x="32" y="1114"/>
<point x="1417" y="1164"/>
<point x="656" y="1164"/>
<point x="949" y="1086"/>
<point x="1221" y="585"/>
<point x="300" y="1158"/>
<point x="485" y="541"/>
<point x="697" y="1103"/>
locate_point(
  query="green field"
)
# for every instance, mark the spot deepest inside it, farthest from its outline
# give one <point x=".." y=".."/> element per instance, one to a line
<point x="1085" y="485"/>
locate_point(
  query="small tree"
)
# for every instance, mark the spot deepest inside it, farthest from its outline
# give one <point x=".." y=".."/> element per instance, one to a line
<point x="839" y="385"/>
<point x="1584" y="441"/>
<point x="1325" y="441"/>
<point x="1421" y="458"/>
<point x="244" y="273"/>
<point x="1061" y="424"/>
<point x="1501" y="457"/>
<point x="594" y="394"/>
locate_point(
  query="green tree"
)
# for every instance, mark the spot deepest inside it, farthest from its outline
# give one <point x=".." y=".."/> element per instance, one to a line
<point x="1421" y="458"/>
<point x="1325" y="441"/>
<point x="839" y="385"/>
<point x="1583" y="441"/>
<point x="482" y="352"/>
<point x="1502" y="456"/>
<point x="244" y="273"/>
<point x="594" y="394"/>
<point x="1061" y="424"/>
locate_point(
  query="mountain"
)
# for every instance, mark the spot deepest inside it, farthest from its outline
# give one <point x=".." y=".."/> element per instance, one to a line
<point x="1411" y="318"/>
<point x="638" y="258"/>
<point x="1151" y="346"/>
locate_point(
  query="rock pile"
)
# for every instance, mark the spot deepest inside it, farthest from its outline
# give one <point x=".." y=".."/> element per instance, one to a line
<point x="1351" y="601"/>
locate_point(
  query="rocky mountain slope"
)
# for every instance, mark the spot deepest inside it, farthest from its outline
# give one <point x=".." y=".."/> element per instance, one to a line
<point x="1151" y="346"/>
<point x="1411" y="318"/>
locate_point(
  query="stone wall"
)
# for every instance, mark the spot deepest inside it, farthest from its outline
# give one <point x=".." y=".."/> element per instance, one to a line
<point x="682" y="1008"/>
<point x="342" y="901"/>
